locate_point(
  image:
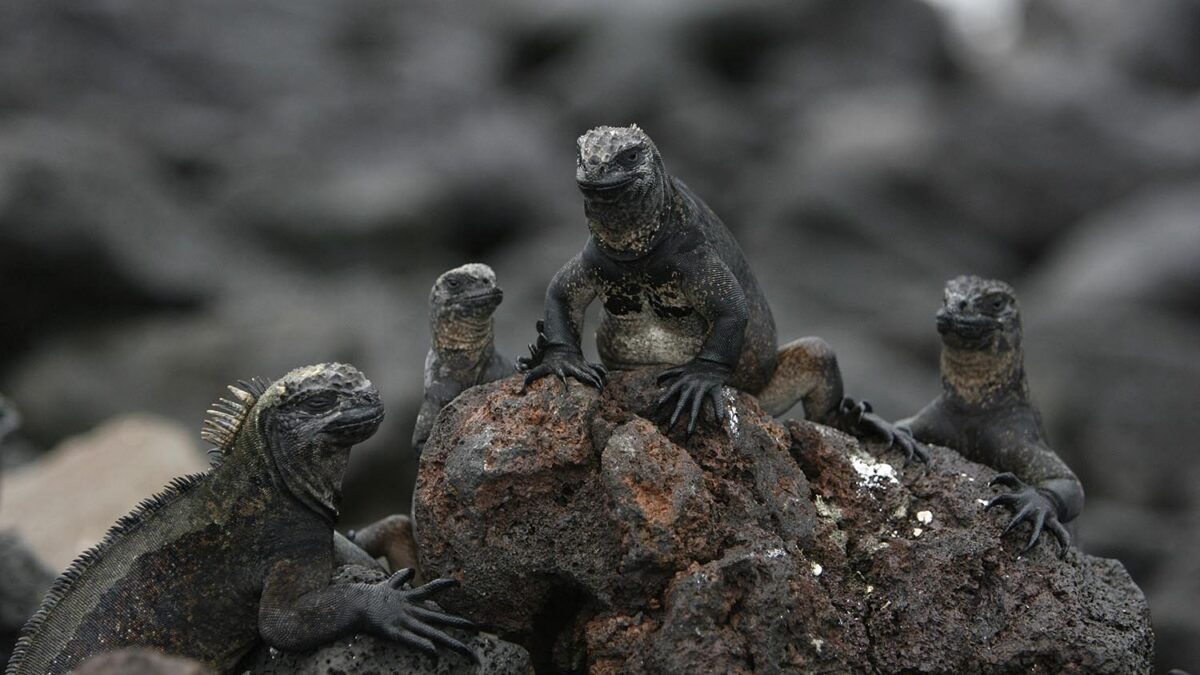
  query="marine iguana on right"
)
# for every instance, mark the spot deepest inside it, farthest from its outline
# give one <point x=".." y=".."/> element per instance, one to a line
<point x="677" y="291"/>
<point x="463" y="353"/>
<point x="985" y="411"/>
<point x="243" y="552"/>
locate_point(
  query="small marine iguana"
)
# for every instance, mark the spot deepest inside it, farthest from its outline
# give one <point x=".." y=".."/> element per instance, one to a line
<point x="242" y="552"/>
<point x="677" y="291"/>
<point x="985" y="411"/>
<point x="463" y="353"/>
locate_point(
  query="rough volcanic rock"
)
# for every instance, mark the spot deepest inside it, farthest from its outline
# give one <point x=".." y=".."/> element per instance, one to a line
<point x="556" y="506"/>
<point x="604" y="546"/>
<point x="366" y="655"/>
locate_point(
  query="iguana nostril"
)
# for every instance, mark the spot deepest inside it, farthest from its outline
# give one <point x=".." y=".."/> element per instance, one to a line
<point x="593" y="160"/>
<point x="962" y="304"/>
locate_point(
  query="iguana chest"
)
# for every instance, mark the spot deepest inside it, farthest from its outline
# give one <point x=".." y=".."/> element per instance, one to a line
<point x="648" y="320"/>
<point x="657" y="296"/>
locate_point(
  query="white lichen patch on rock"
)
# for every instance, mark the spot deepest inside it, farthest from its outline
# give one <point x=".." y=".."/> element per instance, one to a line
<point x="872" y="473"/>
<point x="776" y="553"/>
<point x="925" y="517"/>
<point x="827" y="510"/>
<point x="917" y="531"/>
<point x="731" y="409"/>
<point x="816" y="569"/>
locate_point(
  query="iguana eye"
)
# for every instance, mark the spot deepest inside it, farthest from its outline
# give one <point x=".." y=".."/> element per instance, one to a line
<point x="632" y="155"/>
<point x="995" y="303"/>
<point x="319" y="403"/>
<point x="453" y="282"/>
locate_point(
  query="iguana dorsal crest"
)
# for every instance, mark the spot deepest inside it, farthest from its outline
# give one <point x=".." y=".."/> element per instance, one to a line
<point x="226" y="417"/>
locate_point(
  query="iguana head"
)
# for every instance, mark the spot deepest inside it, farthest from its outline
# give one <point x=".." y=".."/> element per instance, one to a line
<point x="303" y="425"/>
<point x="469" y="291"/>
<point x="979" y="315"/>
<point x="625" y="187"/>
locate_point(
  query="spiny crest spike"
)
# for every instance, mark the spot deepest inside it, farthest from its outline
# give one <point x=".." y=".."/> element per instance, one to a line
<point x="226" y="417"/>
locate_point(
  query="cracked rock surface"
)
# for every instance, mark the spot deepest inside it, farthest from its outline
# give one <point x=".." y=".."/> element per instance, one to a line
<point x="602" y="545"/>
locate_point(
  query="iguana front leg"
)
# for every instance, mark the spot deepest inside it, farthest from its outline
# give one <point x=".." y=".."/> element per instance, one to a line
<point x="300" y="611"/>
<point x="567" y="298"/>
<point x="717" y="296"/>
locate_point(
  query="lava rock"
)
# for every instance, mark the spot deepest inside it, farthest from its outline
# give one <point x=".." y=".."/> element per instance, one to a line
<point x="582" y="530"/>
<point x="556" y="505"/>
<point x="364" y="654"/>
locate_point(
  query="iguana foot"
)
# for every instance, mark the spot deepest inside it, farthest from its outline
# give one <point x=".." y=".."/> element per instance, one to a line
<point x="537" y="350"/>
<point x="400" y="614"/>
<point x="694" y="382"/>
<point x="1029" y="504"/>
<point x="857" y="418"/>
<point x="562" y="360"/>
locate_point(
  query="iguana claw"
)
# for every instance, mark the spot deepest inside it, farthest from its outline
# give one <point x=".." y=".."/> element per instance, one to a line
<point x="398" y="614"/>
<point x="694" y="383"/>
<point x="1030" y="505"/>
<point x="857" y="418"/>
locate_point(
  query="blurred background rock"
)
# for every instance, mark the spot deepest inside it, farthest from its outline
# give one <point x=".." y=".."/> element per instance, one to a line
<point x="192" y="193"/>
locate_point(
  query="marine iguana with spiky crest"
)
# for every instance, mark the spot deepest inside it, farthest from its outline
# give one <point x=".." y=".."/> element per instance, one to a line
<point x="677" y="291"/>
<point x="463" y="352"/>
<point x="985" y="411"/>
<point x="243" y="552"/>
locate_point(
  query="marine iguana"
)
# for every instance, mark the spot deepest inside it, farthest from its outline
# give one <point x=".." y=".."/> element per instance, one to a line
<point x="985" y="411"/>
<point x="463" y="353"/>
<point x="677" y="291"/>
<point x="242" y="552"/>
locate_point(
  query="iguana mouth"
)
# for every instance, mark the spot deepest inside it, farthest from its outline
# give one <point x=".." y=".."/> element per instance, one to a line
<point x="357" y="426"/>
<point x="606" y="185"/>
<point x="966" y="330"/>
<point x="475" y="299"/>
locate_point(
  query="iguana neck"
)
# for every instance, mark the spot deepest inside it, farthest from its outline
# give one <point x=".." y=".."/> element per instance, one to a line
<point x="462" y="339"/>
<point x="311" y="484"/>
<point x="631" y="230"/>
<point x="983" y="377"/>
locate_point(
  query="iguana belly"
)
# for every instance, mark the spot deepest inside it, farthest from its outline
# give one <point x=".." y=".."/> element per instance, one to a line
<point x="646" y="338"/>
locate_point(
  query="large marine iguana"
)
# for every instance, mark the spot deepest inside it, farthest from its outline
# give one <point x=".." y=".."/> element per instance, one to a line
<point x="985" y="411"/>
<point x="243" y="552"/>
<point x="463" y="353"/>
<point x="677" y="291"/>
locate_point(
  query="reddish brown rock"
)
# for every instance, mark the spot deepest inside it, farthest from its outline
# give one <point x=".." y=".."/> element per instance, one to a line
<point x="602" y="545"/>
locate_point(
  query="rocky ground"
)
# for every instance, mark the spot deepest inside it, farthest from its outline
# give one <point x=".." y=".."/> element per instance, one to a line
<point x="191" y="195"/>
<point x="582" y="531"/>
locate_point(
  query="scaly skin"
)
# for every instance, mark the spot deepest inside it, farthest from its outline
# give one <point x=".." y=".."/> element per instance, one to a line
<point x="985" y="411"/>
<point x="241" y="553"/>
<point x="463" y="353"/>
<point x="677" y="291"/>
